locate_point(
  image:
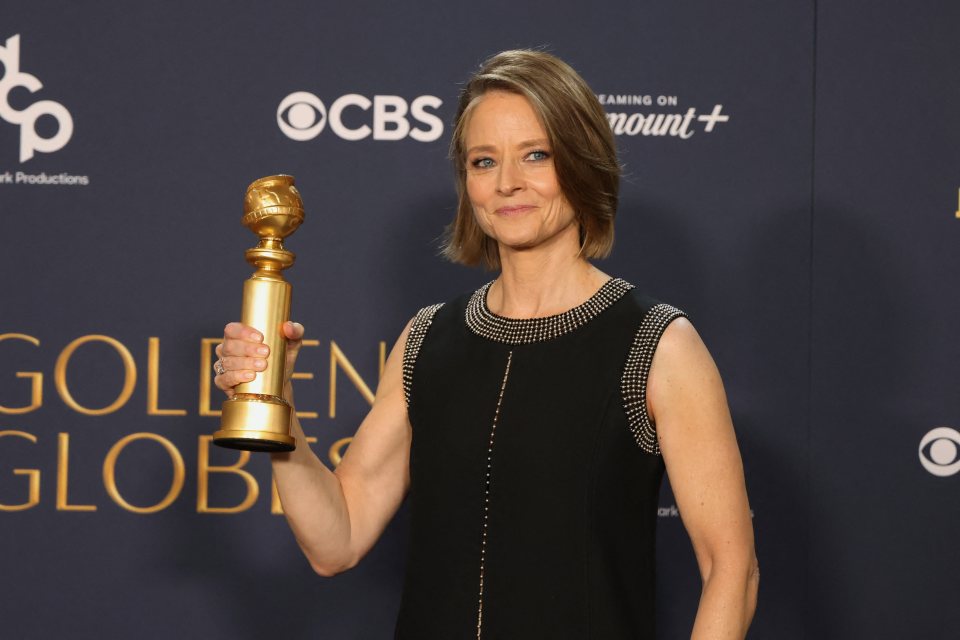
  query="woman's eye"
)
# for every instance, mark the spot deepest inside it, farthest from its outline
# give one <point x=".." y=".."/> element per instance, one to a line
<point x="481" y="163"/>
<point x="539" y="155"/>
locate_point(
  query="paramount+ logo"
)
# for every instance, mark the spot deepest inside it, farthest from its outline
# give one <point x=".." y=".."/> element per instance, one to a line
<point x="30" y="139"/>
<point x="303" y="116"/>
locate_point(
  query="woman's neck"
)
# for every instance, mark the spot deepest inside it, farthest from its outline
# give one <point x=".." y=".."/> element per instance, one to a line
<point x="535" y="284"/>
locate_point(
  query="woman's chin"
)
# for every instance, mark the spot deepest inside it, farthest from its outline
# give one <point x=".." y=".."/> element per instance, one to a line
<point x="523" y="243"/>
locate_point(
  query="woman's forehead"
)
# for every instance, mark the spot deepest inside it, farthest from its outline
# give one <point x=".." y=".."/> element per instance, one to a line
<point x="499" y="116"/>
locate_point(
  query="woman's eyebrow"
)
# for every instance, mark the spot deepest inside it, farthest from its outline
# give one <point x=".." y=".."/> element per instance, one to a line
<point x="489" y="148"/>
<point x="537" y="142"/>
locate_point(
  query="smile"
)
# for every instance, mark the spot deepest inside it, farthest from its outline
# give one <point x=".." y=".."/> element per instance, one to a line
<point x="514" y="210"/>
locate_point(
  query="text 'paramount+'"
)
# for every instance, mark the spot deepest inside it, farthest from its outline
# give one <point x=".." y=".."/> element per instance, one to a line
<point x="303" y="116"/>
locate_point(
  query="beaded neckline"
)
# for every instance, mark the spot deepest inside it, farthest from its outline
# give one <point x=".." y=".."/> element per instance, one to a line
<point x="487" y="324"/>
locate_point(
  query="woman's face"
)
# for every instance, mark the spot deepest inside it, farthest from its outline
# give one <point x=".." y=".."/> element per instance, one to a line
<point x="511" y="180"/>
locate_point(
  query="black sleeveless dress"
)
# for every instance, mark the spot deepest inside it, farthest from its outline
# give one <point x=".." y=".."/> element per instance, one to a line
<point x="535" y="470"/>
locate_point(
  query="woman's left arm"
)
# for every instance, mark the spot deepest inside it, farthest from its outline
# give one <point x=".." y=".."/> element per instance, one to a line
<point x="686" y="401"/>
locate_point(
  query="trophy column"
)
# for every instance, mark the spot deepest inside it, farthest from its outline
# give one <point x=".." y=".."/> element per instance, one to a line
<point x="257" y="418"/>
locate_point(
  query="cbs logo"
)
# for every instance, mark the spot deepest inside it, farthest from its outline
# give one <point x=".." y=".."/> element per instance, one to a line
<point x="302" y="116"/>
<point x="940" y="451"/>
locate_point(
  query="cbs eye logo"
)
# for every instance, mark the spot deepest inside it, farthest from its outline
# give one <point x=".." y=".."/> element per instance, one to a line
<point x="302" y="116"/>
<point x="940" y="451"/>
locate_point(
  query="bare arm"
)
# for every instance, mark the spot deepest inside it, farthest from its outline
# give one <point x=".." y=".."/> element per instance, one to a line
<point x="338" y="516"/>
<point x="687" y="401"/>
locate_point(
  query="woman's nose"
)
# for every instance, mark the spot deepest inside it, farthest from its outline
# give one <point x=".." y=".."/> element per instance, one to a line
<point x="510" y="178"/>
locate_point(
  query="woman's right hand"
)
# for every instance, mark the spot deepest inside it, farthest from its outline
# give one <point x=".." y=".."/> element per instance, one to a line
<point x="242" y="354"/>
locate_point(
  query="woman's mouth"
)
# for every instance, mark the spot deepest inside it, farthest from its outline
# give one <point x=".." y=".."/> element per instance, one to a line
<point x="514" y="210"/>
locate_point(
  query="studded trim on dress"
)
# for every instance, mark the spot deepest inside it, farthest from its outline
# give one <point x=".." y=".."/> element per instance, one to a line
<point x="487" y="324"/>
<point x="418" y="331"/>
<point x="486" y="497"/>
<point x="633" y="384"/>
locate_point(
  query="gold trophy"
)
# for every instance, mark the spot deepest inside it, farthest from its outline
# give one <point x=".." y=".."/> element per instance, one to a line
<point x="257" y="418"/>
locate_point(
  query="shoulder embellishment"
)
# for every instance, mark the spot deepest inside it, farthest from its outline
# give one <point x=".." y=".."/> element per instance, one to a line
<point x="633" y="384"/>
<point x="418" y="331"/>
<point x="486" y="324"/>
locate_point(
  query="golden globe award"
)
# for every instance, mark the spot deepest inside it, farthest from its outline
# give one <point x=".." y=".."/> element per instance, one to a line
<point x="257" y="418"/>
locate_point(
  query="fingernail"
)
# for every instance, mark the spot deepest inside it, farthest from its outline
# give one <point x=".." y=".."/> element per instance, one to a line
<point x="256" y="336"/>
<point x="248" y="376"/>
<point x="259" y="364"/>
<point x="263" y="350"/>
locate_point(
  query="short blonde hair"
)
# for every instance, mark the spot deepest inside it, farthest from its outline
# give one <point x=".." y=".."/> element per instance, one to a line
<point x="584" y="152"/>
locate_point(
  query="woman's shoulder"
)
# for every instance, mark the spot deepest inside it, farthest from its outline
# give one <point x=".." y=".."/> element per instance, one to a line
<point x="644" y="307"/>
<point x="439" y="312"/>
<point x="459" y="301"/>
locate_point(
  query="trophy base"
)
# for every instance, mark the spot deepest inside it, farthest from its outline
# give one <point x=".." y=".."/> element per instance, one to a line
<point x="255" y="423"/>
<point x="254" y="441"/>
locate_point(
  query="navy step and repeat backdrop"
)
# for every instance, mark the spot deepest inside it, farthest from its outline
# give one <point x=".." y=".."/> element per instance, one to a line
<point x="792" y="181"/>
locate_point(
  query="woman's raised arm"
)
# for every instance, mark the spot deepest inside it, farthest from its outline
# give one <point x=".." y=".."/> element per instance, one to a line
<point x="336" y="516"/>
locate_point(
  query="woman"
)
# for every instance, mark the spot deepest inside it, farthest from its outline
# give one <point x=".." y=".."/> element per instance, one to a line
<point x="531" y="421"/>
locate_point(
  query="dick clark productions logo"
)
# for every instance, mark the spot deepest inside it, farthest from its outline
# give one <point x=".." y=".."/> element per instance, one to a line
<point x="30" y="139"/>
